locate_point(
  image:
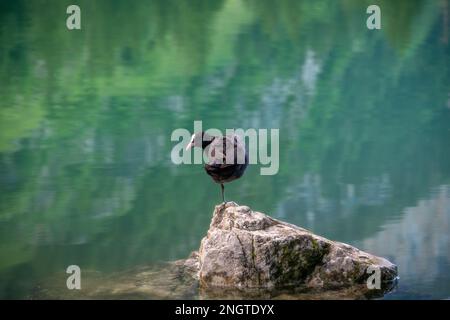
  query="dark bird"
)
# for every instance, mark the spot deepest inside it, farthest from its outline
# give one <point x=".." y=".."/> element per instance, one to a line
<point x="227" y="157"/>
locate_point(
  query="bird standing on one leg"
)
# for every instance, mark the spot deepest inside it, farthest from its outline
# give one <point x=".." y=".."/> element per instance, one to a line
<point x="227" y="157"/>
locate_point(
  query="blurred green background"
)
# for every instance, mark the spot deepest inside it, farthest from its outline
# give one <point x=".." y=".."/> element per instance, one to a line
<point x="86" y="117"/>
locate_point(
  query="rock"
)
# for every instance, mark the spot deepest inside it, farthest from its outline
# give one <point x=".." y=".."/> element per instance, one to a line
<point x="245" y="254"/>
<point x="174" y="280"/>
<point x="248" y="250"/>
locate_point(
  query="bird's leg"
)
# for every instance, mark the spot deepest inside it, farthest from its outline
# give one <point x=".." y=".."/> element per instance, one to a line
<point x="223" y="192"/>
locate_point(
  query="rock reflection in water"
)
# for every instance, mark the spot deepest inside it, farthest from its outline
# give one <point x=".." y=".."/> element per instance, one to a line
<point x="174" y="280"/>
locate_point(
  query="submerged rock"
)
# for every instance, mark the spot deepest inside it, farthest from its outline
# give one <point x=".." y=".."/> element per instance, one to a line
<point x="247" y="250"/>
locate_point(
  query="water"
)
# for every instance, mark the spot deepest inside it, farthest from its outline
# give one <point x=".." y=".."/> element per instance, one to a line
<point x="86" y="117"/>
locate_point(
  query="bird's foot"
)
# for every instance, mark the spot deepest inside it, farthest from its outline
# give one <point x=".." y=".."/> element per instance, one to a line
<point x="229" y="203"/>
<point x="223" y="203"/>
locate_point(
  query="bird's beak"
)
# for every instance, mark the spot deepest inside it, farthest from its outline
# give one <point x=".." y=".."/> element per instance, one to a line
<point x="189" y="146"/>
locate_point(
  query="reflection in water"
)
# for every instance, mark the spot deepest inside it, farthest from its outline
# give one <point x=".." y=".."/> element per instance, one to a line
<point x="419" y="243"/>
<point x="176" y="280"/>
<point x="86" y="118"/>
<point x="308" y="197"/>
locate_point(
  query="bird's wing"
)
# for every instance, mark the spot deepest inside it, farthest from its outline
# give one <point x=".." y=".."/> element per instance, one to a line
<point x="218" y="149"/>
<point x="226" y="150"/>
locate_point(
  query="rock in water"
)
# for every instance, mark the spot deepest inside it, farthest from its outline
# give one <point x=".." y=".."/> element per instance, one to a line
<point x="245" y="254"/>
<point x="245" y="249"/>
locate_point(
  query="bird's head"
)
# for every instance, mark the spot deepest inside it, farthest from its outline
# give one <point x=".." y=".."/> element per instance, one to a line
<point x="200" y="140"/>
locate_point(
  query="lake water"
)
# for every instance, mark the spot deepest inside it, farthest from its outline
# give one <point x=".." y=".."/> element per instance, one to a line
<point x="86" y="116"/>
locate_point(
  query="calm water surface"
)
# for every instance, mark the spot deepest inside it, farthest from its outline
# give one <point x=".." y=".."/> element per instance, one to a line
<point x="86" y="117"/>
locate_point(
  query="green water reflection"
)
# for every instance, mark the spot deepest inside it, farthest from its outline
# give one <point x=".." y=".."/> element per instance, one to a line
<point x="86" y="117"/>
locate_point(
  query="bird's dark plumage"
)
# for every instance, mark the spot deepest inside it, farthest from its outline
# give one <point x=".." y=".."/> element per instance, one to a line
<point x="227" y="157"/>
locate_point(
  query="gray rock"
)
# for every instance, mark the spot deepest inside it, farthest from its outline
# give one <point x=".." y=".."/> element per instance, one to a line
<point x="246" y="250"/>
<point x="245" y="255"/>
